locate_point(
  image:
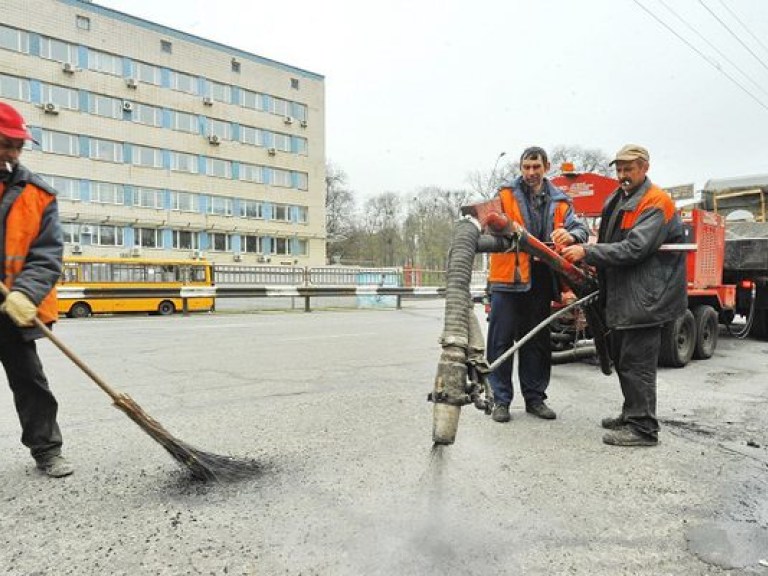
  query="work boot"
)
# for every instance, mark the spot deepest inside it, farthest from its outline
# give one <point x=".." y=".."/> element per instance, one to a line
<point x="613" y="423"/>
<point x="501" y="413"/>
<point x="54" y="466"/>
<point x="626" y="436"/>
<point x="541" y="411"/>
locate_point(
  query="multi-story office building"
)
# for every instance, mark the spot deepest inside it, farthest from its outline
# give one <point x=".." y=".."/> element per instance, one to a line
<point x="165" y="144"/>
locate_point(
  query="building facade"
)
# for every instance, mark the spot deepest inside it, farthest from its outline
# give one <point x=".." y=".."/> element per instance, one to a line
<point x="165" y="144"/>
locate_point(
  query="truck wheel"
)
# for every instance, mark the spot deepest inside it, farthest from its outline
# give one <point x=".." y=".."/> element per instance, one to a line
<point x="705" y="319"/>
<point x="678" y="339"/>
<point x="759" y="328"/>
<point x="79" y="310"/>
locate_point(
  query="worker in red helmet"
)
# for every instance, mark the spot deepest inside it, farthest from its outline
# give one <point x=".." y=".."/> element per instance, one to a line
<point x="641" y="289"/>
<point x="31" y="249"/>
<point x="522" y="288"/>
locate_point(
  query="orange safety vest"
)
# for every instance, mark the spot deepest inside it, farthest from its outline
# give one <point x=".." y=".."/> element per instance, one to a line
<point x="22" y="226"/>
<point x="515" y="267"/>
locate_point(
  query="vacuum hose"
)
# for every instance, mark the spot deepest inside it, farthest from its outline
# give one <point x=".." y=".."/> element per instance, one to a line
<point x="458" y="340"/>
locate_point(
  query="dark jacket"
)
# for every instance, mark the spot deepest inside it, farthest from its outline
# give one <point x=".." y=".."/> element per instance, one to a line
<point x="31" y="244"/>
<point x="640" y="286"/>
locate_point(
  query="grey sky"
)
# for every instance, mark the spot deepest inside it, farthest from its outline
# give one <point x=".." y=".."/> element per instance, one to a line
<point x="422" y="92"/>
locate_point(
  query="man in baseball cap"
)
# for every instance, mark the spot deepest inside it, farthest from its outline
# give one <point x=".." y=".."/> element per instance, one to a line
<point x="31" y="251"/>
<point x="631" y="152"/>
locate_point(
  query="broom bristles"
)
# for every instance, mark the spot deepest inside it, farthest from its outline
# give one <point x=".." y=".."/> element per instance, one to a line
<point x="202" y="465"/>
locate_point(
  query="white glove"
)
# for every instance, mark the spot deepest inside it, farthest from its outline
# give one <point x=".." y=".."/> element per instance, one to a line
<point x="19" y="308"/>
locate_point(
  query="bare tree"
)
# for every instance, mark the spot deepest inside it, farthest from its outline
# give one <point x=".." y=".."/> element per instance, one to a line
<point x="583" y="159"/>
<point x="339" y="211"/>
<point x="484" y="184"/>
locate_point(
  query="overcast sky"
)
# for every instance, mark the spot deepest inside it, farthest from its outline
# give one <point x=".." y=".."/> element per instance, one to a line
<point x="423" y="92"/>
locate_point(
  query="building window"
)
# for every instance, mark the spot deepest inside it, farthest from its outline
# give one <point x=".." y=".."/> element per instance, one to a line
<point x="14" y="88"/>
<point x="186" y="240"/>
<point x="235" y="66"/>
<point x="250" y="209"/>
<point x="220" y="128"/>
<point x="251" y="100"/>
<point x="106" y="150"/>
<point x="249" y="135"/>
<point x="300" y="111"/>
<point x="219" y="242"/>
<point x="251" y="244"/>
<point x="61" y="143"/>
<point x="184" y="122"/>
<point x="106" y="63"/>
<point x="220" y="206"/>
<point x="183" y="82"/>
<point x="181" y="162"/>
<point x="302" y="180"/>
<point x="148" y="198"/>
<point x="301" y="146"/>
<point x="281" y="246"/>
<point x="295" y="83"/>
<point x="147" y="73"/>
<point x="279" y="106"/>
<point x="281" y="213"/>
<point x="302" y="216"/>
<point x="146" y="114"/>
<point x="148" y="237"/>
<point x="107" y="236"/>
<point x="62" y="97"/>
<point x="57" y="50"/>
<point x="185" y="201"/>
<point x="12" y="39"/>
<point x="251" y="173"/>
<point x="281" y="178"/>
<point x="166" y="46"/>
<point x="105" y="106"/>
<point x="220" y="92"/>
<point x="71" y="232"/>
<point x="147" y="157"/>
<point x="107" y="193"/>
<point x="66" y="188"/>
<point x="218" y="168"/>
<point x="83" y="22"/>
<point x="282" y="142"/>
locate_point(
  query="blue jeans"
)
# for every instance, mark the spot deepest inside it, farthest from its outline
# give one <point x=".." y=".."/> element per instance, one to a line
<point x="513" y="315"/>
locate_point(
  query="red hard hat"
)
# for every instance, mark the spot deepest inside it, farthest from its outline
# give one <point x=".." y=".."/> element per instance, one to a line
<point x="12" y="125"/>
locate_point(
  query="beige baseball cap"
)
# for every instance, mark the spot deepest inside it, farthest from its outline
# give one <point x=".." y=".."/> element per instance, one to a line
<point x="631" y="152"/>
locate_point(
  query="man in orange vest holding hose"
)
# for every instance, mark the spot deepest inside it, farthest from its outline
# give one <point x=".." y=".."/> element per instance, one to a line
<point x="31" y="249"/>
<point x="522" y="288"/>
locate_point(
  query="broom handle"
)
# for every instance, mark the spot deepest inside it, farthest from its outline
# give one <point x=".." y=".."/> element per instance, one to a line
<point x="69" y="354"/>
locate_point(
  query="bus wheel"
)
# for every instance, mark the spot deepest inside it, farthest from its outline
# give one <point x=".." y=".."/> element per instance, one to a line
<point x="79" y="310"/>
<point x="705" y="319"/>
<point x="678" y="339"/>
<point x="166" y="308"/>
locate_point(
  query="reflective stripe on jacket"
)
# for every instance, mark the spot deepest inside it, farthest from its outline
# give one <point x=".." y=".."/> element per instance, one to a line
<point x="512" y="270"/>
<point x="31" y="240"/>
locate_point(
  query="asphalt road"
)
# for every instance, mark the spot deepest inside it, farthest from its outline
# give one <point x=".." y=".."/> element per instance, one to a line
<point x="333" y="406"/>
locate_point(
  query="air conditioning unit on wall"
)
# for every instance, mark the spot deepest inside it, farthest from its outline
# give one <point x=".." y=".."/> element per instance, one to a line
<point x="68" y="68"/>
<point x="77" y="249"/>
<point x="214" y="139"/>
<point x="237" y="257"/>
<point x="132" y="83"/>
<point x="127" y="105"/>
<point x="136" y="251"/>
<point x="271" y="151"/>
<point x="51" y="108"/>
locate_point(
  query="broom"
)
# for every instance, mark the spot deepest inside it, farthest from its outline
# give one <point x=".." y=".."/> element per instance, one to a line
<point x="202" y="465"/>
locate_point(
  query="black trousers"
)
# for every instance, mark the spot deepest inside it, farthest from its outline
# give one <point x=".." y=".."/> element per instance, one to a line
<point x="636" y="357"/>
<point x="35" y="403"/>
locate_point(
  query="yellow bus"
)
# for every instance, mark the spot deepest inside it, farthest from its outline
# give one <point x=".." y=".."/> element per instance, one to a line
<point x="103" y="286"/>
